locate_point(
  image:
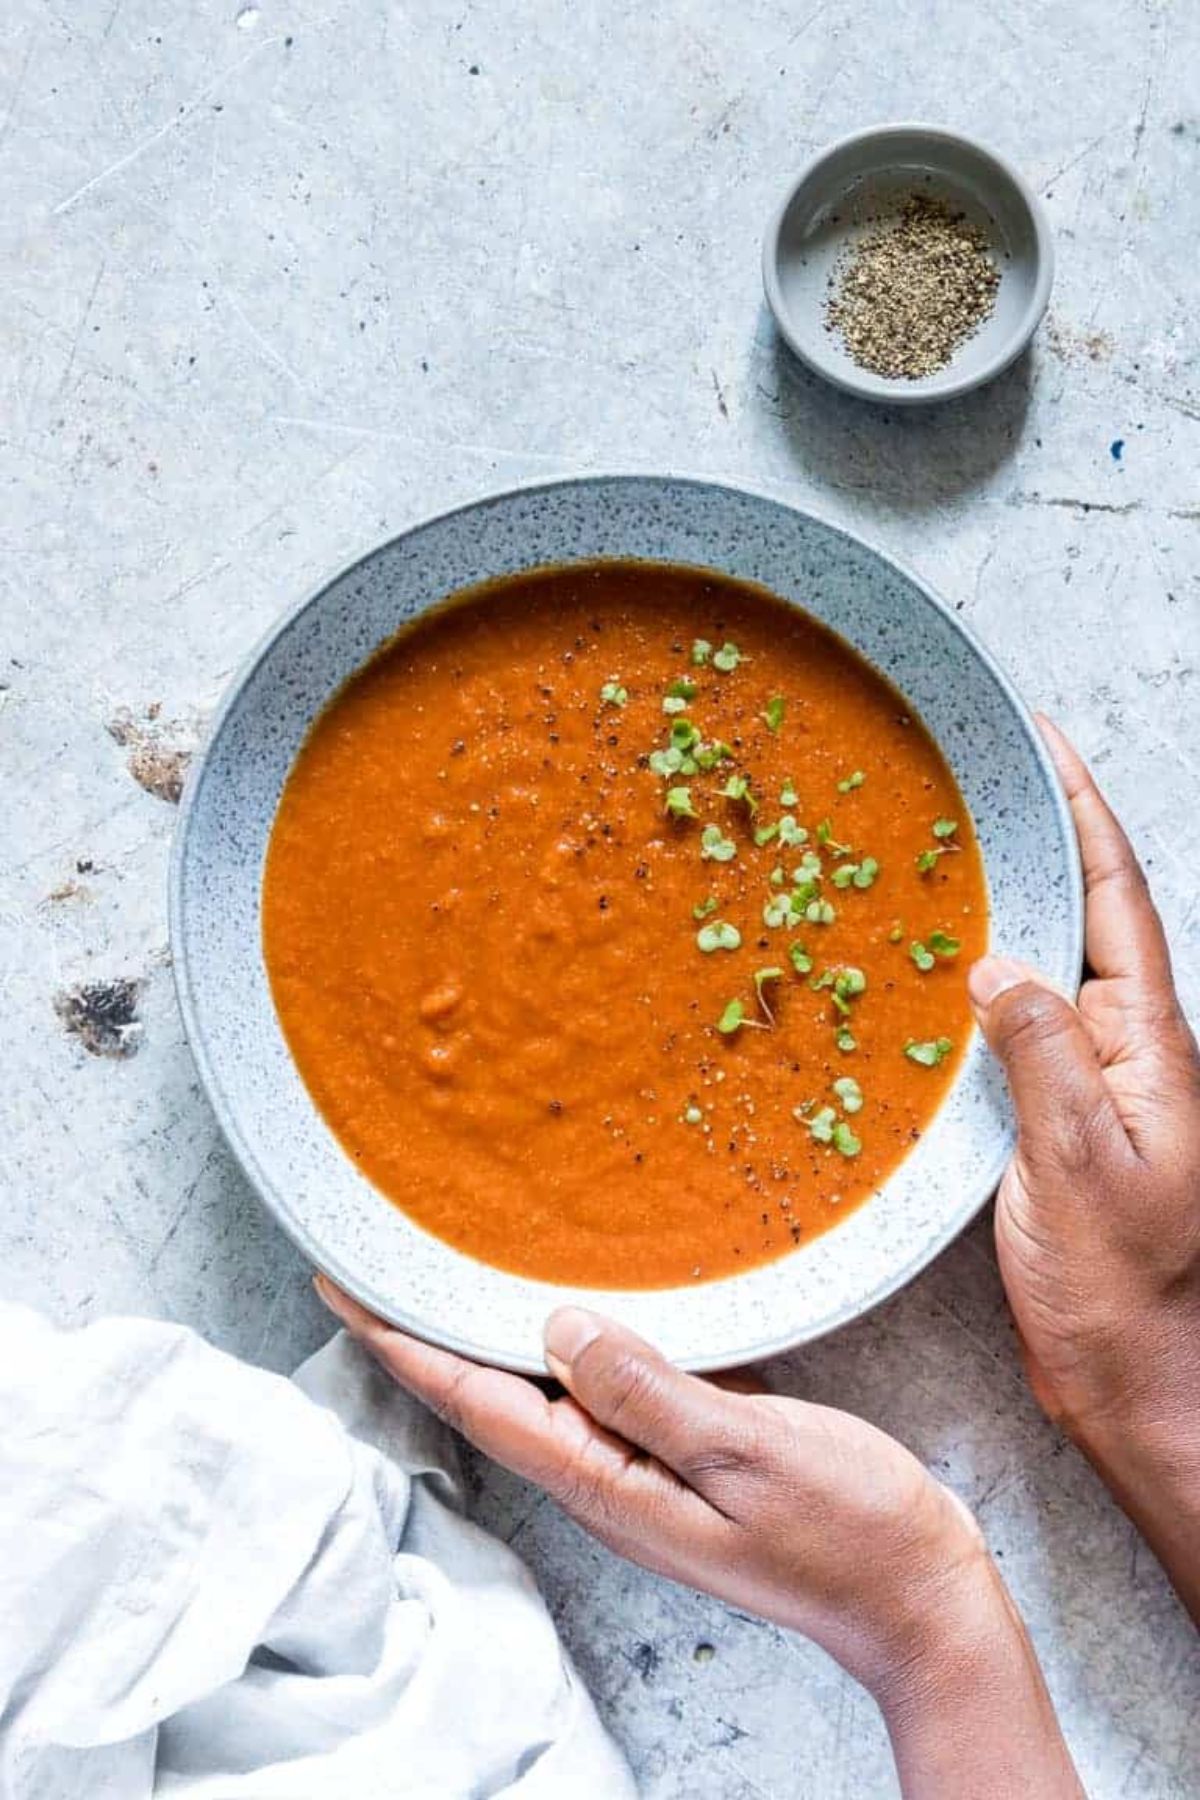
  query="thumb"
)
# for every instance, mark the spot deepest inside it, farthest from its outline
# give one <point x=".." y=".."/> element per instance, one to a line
<point x="1064" y="1108"/>
<point x="631" y="1389"/>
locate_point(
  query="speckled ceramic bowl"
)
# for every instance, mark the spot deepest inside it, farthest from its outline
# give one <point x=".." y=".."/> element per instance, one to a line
<point x="314" y="1190"/>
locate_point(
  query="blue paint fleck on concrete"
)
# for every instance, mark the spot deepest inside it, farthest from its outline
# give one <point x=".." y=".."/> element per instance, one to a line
<point x="1115" y="449"/>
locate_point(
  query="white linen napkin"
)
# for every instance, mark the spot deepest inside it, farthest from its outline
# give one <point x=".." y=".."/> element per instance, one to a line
<point x="219" y="1584"/>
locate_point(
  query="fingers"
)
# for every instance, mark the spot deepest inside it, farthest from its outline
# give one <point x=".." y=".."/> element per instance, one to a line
<point x="1065" y="1111"/>
<point x="738" y="1381"/>
<point x="1124" y="933"/>
<point x="631" y="1503"/>
<point x="505" y="1416"/>
<point x="695" y="1428"/>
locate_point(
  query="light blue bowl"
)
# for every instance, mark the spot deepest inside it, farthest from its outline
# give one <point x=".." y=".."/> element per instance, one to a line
<point x="314" y="1190"/>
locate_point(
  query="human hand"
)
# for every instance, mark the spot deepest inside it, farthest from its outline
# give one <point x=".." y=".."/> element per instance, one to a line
<point x="802" y="1514"/>
<point x="1098" y="1215"/>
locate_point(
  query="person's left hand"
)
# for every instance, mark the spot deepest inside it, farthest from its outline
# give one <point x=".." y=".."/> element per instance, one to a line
<point x="805" y="1515"/>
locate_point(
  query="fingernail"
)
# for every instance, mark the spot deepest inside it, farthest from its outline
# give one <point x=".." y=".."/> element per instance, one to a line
<point x="993" y="976"/>
<point x="569" y="1331"/>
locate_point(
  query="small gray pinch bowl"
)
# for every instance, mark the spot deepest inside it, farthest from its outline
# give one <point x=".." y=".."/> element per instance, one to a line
<point x="826" y="210"/>
<point x="364" y="1241"/>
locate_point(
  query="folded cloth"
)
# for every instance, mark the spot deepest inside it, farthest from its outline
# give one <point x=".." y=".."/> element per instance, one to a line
<point x="220" y="1584"/>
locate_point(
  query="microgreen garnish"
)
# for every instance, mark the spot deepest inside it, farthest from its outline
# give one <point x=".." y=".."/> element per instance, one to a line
<point x="930" y="1053"/>
<point x="718" y="936"/>
<point x="738" y="788"/>
<point x="704" y="909"/>
<point x="788" y="795"/>
<point x="801" y="960"/>
<point x="822" y="1124"/>
<point x="827" y="840"/>
<point x="923" y="958"/>
<point x="778" y="911"/>
<point x="666" y="762"/>
<point x="848" y="984"/>
<point x="943" y="829"/>
<point x="613" y="694"/>
<point x="819" y="912"/>
<point x="845" y="984"/>
<point x="734" y="1017"/>
<point x="764" y="833"/>
<point x="679" y="803"/>
<point x="715" y="846"/>
<point x="683" y="734"/>
<point x="772" y="718"/>
<point x="943" y="945"/>
<point x="776" y="876"/>
<point x="674" y="703"/>
<point x="826" y="1128"/>
<point x="709" y="755"/>
<point x="761" y="978"/>
<point x="790" y="832"/>
<point x="844" y="1140"/>
<point x="727" y="658"/>
<point x="848" y="783"/>
<point x="849" y="1093"/>
<point x="682" y="689"/>
<point x="859" y="875"/>
<point x="701" y="651"/>
<point x="809" y="867"/>
<point x="846" y="1040"/>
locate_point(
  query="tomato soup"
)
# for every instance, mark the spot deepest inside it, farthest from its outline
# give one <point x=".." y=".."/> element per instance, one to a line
<point x="617" y="917"/>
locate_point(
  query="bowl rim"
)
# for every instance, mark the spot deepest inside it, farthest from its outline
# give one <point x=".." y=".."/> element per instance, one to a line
<point x="451" y="1337"/>
<point x="880" y="388"/>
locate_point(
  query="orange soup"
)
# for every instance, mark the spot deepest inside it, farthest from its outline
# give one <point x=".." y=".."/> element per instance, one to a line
<point x="617" y="918"/>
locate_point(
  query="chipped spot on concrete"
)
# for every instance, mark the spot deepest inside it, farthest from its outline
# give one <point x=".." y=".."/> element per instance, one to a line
<point x="160" y="751"/>
<point x="645" y="1658"/>
<point x="160" y="772"/>
<point x="103" y="1016"/>
<point x="68" y="890"/>
<point x="1071" y="345"/>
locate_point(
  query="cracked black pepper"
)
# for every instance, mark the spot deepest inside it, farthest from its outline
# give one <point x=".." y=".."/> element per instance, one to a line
<point x="909" y="292"/>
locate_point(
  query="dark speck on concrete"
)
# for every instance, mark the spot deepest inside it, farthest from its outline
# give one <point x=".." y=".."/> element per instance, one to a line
<point x="645" y="1659"/>
<point x="1116" y="449"/>
<point x="103" y="1016"/>
<point x="730" y="1732"/>
<point x="704" y="1652"/>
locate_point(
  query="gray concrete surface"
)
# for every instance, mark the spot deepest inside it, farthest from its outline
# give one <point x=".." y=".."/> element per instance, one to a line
<point x="278" y="281"/>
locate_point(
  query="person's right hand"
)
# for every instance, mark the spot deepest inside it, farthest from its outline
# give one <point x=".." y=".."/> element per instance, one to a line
<point x="804" y="1514"/>
<point x="1098" y="1216"/>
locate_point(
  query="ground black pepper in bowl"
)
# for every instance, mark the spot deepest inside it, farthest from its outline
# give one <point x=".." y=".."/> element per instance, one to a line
<point x="908" y="293"/>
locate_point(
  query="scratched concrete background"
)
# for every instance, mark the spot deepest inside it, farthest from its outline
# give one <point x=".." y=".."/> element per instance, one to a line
<point x="277" y="282"/>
